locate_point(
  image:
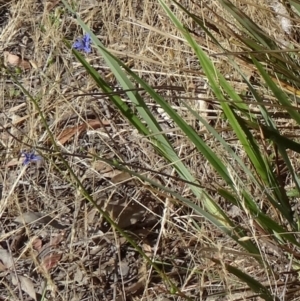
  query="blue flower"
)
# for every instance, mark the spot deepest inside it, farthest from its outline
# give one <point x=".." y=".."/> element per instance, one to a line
<point x="83" y="44"/>
<point x="30" y="157"/>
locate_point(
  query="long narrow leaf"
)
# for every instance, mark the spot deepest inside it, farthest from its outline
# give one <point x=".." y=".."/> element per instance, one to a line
<point x="215" y="80"/>
<point x="255" y="285"/>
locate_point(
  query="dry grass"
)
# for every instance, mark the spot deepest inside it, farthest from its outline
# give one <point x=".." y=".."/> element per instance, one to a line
<point x="95" y="263"/>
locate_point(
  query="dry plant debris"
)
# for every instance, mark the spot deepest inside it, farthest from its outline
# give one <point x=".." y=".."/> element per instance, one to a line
<point x="14" y="60"/>
<point x="53" y="243"/>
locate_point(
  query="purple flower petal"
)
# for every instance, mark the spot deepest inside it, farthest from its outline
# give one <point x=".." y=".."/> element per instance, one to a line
<point x="30" y="157"/>
<point x="83" y="44"/>
<point x="78" y="45"/>
<point x="86" y="39"/>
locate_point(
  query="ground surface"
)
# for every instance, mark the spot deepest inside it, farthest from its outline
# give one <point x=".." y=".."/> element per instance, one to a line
<point x="52" y="241"/>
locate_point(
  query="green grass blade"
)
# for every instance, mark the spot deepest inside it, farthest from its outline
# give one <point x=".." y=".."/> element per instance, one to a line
<point x="295" y="4"/>
<point x="273" y="185"/>
<point x="161" y="143"/>
<point x="255" y="285"/>
<point x="247" y="24"/>
<point x="121" y="105"/>
<point x="279" y="94"/>
<point x="221" y="220"/>
<point x="215" y="81"/>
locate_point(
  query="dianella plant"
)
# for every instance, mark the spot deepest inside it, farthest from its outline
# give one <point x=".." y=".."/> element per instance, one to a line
<point x="250" y="205"/>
